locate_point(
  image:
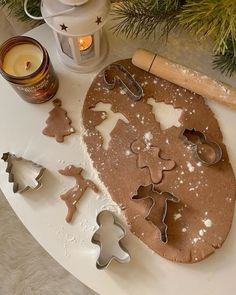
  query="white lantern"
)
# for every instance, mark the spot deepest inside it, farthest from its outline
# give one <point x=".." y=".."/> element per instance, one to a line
<point x="77" y="26"/>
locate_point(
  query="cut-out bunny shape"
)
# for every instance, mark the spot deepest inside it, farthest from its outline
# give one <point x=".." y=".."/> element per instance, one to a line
<point x="109" y="122"/>
<point x="72" y="196"/>
<point x="109" y="238"/>
<point x="158" y="209"/>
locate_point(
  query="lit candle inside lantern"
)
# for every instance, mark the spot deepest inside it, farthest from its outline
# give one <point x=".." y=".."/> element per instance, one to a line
<point x="85" y="42"/>
<point x="22" y="60"/>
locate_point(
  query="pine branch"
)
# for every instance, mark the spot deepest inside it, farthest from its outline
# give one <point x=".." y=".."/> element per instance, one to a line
<point x="211" y="18"/>
<point x="16" y="8"/>
<point x="226" y="62"/>
<point x="141" y="17"/>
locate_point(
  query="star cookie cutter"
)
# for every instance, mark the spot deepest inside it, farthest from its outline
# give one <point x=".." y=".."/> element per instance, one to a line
<point x="109" y="238"/>
<point x="217" y="151"/>
<point x="135" y="94"/>
<point x="17" y="187"/>
<point x="160" y="203"/>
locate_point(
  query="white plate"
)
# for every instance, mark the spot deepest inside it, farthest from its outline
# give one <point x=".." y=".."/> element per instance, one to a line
<point x="42" y="212"/>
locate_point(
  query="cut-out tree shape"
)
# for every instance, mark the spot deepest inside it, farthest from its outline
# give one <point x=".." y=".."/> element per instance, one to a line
<point x="24" y="174"/>
<point x="149" y="157"/>
<point x="72" y="196"/>
<point x="165" y="114"/>
<point x="58" y="123"/>
<point x="109" y="123"/>
<point x="109" y="238"/>
<point x="158" y="209"/>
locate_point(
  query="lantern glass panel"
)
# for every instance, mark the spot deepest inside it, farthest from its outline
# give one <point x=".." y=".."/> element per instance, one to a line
<point x="65" y="46"/>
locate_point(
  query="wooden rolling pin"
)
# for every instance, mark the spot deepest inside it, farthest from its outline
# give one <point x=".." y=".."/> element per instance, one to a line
<point x="185" y="77"/>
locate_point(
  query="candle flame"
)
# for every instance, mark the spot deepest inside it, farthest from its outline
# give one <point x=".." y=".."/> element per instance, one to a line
<point x="85" y="42"/>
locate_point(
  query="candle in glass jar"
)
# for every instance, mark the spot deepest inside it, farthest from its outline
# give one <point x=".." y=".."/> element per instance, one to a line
<point x="22" y="60"/>
<point x="26" y="65"/>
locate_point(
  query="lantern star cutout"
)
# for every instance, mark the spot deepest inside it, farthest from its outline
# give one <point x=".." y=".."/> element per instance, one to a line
<point x="99" y="20"/>
<point x="64" y="27"/>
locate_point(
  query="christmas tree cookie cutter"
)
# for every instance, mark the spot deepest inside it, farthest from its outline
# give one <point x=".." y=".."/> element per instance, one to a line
<point x="133" y="89"/>
<point x="18" y="186"/>
<point x="188" y="134"/>
<point x="109" y="237"/>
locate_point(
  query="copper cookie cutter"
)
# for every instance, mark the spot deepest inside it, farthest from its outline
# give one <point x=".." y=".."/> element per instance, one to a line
<point x="17" y="186"/>
<point x="217" y="151"/>
<point x="116" y="80"/>
<point x="152" y="216"/>
<point x="109" y="238"/>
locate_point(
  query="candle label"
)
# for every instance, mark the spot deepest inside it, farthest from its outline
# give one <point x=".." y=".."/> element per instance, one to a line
<point x="41" y="90"/>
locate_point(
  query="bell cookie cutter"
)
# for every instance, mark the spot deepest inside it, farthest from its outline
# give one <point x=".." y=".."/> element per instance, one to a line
<point x="116" y="80"/>
<point x="109" y="237"/>
<point x="185" y="133"/>
<point x="160" y="202"/>
<point x="17" y="188"/>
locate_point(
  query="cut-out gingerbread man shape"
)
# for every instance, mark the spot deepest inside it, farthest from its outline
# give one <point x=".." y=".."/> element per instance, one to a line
<point x="72" y="196"/>
<point x="149" y="157"/>
<point x="58" y="123"/>
<point x="158" y="209"/>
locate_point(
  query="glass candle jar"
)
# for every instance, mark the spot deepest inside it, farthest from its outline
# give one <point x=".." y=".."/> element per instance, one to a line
<point x="25" y="64"/>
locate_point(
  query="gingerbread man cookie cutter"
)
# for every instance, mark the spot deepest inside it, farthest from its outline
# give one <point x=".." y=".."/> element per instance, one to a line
<point x="217" y="151"/>
<point x="18" y="187"/>
<point x="160" y="203"/>
<point x="117" y="80"/>
<point x="109" y="237"/>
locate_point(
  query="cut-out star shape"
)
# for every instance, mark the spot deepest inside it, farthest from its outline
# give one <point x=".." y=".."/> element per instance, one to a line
<point x="99" y="20"/>
<point x="64" y="27"/>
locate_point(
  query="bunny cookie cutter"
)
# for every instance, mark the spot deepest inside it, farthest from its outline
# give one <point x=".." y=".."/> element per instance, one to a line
<point x="217" y="151"/>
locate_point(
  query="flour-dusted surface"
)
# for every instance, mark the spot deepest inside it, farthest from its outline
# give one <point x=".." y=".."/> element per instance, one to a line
<point x="192" y="234"/>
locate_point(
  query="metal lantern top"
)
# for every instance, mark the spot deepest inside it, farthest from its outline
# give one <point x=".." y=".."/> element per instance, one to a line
<point x="85" y="17"/>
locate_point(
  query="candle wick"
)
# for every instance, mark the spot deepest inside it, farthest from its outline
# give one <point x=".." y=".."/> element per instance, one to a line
<point x="28" y="65"/>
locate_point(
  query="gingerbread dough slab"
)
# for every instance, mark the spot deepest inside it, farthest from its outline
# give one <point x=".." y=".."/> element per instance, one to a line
<point x="200" y="222"/>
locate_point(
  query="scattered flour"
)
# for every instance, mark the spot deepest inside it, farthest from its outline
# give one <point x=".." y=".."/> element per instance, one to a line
<point x="127" y="152"/>
<point x="190" y="167"/>
<point x="201" y="232"/>
<point x="177" y="216"/>
<point x="207" y="222"/>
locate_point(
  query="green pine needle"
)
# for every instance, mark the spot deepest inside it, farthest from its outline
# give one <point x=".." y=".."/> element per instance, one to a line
<point x="211" y="18"/>
<point x="226" y="62"/>
<point x="16" y="8"/>
<point x="141" y="17"/>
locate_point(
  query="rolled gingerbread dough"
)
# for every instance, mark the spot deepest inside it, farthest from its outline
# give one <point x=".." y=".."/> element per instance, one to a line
<point x="201" y="221"/>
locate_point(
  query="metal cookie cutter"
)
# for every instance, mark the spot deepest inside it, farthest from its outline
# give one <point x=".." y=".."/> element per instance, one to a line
<point x="116" y="80"/>
<point x="109" y="238"/>
<point x="186" y="135"/>
<point x="158" y="209"/>
<point x="20" y="186"/>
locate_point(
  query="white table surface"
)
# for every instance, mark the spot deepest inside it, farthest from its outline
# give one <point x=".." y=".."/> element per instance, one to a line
<point x="42" y="212"/>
